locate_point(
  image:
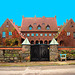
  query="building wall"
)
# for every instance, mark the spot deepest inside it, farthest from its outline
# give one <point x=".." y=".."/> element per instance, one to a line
<point x="63" y="38"/>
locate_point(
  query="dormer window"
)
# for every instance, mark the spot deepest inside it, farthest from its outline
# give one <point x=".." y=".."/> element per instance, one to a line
<point x="39" y="27"/>
<point x="34" y="24"/>
<point x="47" y="27"/>
<point x="43" y="23"/>
<point x="30" y="27"/>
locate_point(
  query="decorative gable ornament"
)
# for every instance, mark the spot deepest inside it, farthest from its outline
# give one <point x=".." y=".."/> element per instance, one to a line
<point x="54" y="42"/>
<point x="26" y="42"/>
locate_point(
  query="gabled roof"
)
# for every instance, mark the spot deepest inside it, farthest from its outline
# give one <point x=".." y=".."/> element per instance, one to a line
<point x="16" y="27"/>
<point x="54" y="42"/>
<point x="26" y="42"/>
<point x="63" y="27"/>
<point x="51" y="21"/>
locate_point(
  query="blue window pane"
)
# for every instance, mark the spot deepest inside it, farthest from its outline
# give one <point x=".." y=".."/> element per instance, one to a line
<point x="39" y="27"/>
<point x="41" y="34"/>
<point x="10" y="33"/>
<point x="30" y="28"/>
<point x="45" y="34"/>
<point x="32" y="34"/>
<point x="36" y="34"/>
<point x="3" y="34"/>
<point x="28" y="34"/>
<point x="48" y="28"/>
<point x="49" y="34"/>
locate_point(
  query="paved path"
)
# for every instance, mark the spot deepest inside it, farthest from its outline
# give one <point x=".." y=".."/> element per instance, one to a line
<point x="39" y="70"/>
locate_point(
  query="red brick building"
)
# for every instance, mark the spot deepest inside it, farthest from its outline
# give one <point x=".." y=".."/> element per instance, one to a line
<point x="66" y="34"/>
<point x="9" y="30"/>
<point x="39" y="29"/>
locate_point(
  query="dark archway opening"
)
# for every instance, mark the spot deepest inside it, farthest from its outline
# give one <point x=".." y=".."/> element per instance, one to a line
<point x="61" y="43"/>
<point x="45" y="42"/>
<point x="22" y="40"/>
<point x="16" y="42"/>
<point x="37" y="42"/>
<point x="41" y="42"/>
<point x="49" y="41"/>
<point x="32" y="42"/>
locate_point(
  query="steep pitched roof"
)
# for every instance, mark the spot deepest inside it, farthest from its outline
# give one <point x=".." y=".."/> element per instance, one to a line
<point x="63" y="27"/>
<point x="26" y="42"/>
<point x="26" y="22"/>
<point x="16" y="28"/>
<point x="54" y="42"/>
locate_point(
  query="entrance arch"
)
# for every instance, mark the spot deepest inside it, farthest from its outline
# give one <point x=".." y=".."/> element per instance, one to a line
<point x="41" y="42"/>
<point x="32" y="42"/>
<point x="37" y="42"/>
<point x="45" y="42"/>
<point x="61" y="43"/>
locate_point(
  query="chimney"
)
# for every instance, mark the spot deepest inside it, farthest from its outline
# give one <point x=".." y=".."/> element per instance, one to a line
<point x="14" y="23"/>
<point x="35" y="16"/>
<point x="55" y="16"/>
<point x="11" y="20"/>
<point x="22" y="16"/>
<point x="66" y="20"/>
<point x="64" y="23"/>
<point x="43" y="16"/>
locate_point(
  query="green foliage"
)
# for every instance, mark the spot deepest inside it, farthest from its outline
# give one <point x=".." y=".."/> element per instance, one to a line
<point x="70" y="53"/>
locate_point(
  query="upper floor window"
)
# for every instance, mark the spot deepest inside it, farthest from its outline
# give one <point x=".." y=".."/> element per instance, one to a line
<point x="45" y="34"/>
<point x="28" y="34"/>
<point x="68" y="33"/>
<point x="47" y="27"/>
<point x="41" y="34"/>
<point x="43" y="23"/>
<point x="7" y="25"/>
<point x="49" y="34"/>
<point x="36" y="34"/>
<point x="34" y="24"/>
<point x="32" y="34"/>
<point x="10" y="33"/>
<point x="3" y="34"/>
<point x="39" y="27"/>
<point x="71" y="26"/>
<point x="74" y="34"/>
<point x="30" y="27"/>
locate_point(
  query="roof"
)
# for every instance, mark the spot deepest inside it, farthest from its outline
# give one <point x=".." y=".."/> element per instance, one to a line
<point x="54" y="42"/>
<point x="51" y="21"/>
<point x="26" y="42"/>
<point x="16" y="27"/>
<point x="62" y="28"/>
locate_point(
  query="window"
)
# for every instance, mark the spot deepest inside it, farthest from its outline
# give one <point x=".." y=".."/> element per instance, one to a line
<point x="74" y="34"/>
<point x="36" y="34"/>
<point x="3" y="34"/>
<point x="41" y="34"/>
<point x="34" y="24"/>
<point x="32" y="34"/>
<point x="10" y="33"/>
<point x="28" y="34"/>
<point x="43" y="23"/>
<point x="68" y="33"/>
<point x="45" y="34"/>
<point x="47" y="27"/>
<point x="39" y="27"/>
<point x="7" y="25"/>
<point x="49" y="34"/>
<point x="30" y="28"/>
<point x="71" y="26"/>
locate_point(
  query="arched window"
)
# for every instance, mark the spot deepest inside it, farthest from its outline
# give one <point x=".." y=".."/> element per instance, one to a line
<point x="45" y="42"/>
<point x="39" y="27"/>
<point x="47" y="27"/>
<point x="37" y="42"/>
<point x="61" y="43"/>
<point x="41" y="42"/>
<point x="30" y="27"/>
<point x="32" y="42"/>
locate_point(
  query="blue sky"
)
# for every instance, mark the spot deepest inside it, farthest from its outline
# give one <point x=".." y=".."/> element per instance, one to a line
<point x="15" y="9"/>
